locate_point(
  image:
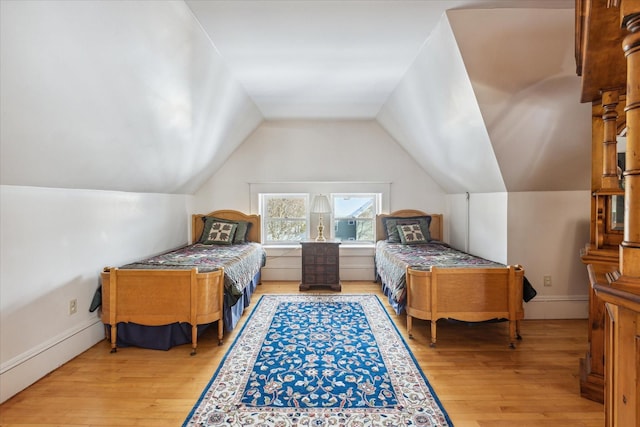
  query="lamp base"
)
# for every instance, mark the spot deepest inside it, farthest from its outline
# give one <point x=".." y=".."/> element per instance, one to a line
<point x="320" y="237"/>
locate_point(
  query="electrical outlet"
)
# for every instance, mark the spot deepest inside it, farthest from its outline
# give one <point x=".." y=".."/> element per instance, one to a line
<point x="73" y="306"/>
<point x="547" y="280"/>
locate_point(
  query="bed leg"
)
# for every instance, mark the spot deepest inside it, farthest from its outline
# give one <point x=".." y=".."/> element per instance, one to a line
<point x="114" y="336"/>
<point x="194" y="338"/>
<point x="409" y="326"/>
<point x="433" y="334"/>
<point x="512" y="333"/>
<point x="518" y="336"/>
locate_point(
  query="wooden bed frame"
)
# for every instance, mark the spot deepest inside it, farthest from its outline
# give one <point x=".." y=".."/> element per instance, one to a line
<point x="162" y="297"/>
<point x="465" y="294"/>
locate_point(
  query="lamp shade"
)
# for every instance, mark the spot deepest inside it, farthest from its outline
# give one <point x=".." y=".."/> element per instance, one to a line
<point x="320" y="204"/>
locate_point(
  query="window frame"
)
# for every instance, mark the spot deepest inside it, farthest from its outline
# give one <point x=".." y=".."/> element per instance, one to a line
<point x="377" y="204"/>
<point x="265" y="219"/>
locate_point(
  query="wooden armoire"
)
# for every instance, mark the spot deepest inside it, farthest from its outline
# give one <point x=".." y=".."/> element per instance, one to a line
<point x="608" y="61"/>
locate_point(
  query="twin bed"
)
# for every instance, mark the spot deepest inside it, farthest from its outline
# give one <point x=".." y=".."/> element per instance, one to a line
<point x="429" y="280"/>
<point x="167" y="300"/>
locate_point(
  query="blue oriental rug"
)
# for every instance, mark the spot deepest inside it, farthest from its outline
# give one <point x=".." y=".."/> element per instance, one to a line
<point x="318" y="360"/>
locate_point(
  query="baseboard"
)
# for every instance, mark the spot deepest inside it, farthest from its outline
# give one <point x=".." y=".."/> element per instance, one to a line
<point x="27" y="368"/>
<point x="557" y="307"/>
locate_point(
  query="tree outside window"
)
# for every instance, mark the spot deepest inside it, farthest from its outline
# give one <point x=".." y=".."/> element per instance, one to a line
<point x="284" y="217"/>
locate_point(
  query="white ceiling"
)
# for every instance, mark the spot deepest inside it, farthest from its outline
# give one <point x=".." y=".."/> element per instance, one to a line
<point x="155" y="95"/>
<point x="329" y="59"/>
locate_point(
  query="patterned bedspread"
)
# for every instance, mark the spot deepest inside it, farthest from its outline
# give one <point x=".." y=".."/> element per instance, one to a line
<point x="392" y="260"/>
<point x="241" y="262"/>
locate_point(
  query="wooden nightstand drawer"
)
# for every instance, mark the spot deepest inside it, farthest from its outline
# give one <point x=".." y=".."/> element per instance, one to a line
<point x="320" y="265"/>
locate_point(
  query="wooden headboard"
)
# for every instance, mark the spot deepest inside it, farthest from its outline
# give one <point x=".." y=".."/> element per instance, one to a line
<point x="435" y="229"/>
<point x="197" y="224"/>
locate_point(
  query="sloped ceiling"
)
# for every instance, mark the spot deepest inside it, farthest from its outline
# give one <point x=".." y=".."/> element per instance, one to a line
<point x="153" y="96"/>
<point x="489" y="111"/>
<point x="529" y="98"/>
<point x="319" y="59"/>
<point x="435" y="116"/>
<point x="114" y="95"/>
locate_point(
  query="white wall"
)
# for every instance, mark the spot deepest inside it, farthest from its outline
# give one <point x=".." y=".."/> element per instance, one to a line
<point x="488" y="226"/>
<point x="542" y="231"/>
<point x="53" y="245"/>
<point x="456" y="222"/>
<point x="344" y="156"/>
<point x="546" y="232"/>
<point x="320" y="151"/>
<point x="478" y="224"/>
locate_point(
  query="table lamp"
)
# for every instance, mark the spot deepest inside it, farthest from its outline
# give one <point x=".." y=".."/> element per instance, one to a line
<point x="320" y="206"/>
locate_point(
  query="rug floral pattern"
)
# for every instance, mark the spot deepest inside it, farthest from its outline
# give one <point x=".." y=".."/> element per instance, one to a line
<point x="319" y="360"/>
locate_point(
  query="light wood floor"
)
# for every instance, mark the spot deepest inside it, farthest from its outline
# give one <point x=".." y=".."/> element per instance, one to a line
<point x="478" y="378"/>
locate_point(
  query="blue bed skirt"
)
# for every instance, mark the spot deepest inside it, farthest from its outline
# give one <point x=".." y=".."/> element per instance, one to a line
<point x="166" y="336"/>
<point x="398" y="307"/>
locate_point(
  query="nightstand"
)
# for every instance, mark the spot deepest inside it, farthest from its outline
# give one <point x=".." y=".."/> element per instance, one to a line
<point x="320" y="265"/>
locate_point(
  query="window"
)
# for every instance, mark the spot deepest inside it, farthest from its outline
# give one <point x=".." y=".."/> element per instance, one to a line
<point x="354" y="217"/>
<point x="284" y="218"/>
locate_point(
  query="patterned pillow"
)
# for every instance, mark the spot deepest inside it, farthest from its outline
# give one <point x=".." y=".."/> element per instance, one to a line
<point x="240" y="236"/>
<point x="220" y="233"/>
<point x="411" y="234"/>
<point x="391" y="226"/>
<point x="241" y="231"/>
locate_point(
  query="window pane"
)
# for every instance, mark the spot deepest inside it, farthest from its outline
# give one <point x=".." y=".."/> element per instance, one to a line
<point x="284" y="217"/>
<point x="354" y="217"/>
<point x="286" y="230"/>
<point x="286" y="207"/>
<point x="354" y="229"/>
<point x="353" y="207"/>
